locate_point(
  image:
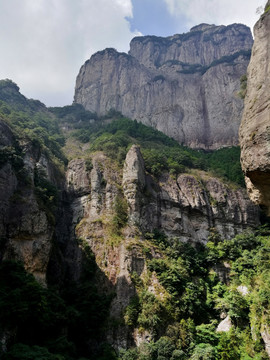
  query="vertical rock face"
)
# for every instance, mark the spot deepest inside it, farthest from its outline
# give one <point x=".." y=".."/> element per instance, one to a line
<point x="26" y="230"/>
<point x="188" y="208"/>
<point x="184" y="85"/>
<point x="255" y="125"/>
<point x="134" y="182"/>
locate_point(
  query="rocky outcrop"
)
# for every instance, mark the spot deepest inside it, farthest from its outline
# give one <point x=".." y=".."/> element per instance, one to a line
<point x="225" y="325"/>
<point x="184" y="85"/>
<point x="188" y="208"/>
<point x="26" y="228"/>
<point x="255" y="125"/>
<point x="134" y="182"/>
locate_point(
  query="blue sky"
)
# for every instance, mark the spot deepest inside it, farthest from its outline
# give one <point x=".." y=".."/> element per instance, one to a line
<point x="152" y="17"/>
<point x="45" y="42"/>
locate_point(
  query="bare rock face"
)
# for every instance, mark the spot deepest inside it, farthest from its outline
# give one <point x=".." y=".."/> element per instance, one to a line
<point x="255" y="125"/>
<point x="225" y="325"/>
<point x="134" y="182"/>
<point x="266" y="338"/>
<point x="26" y="230"/>
<point x="188" y="208"/>
<point x="184" y="85"/>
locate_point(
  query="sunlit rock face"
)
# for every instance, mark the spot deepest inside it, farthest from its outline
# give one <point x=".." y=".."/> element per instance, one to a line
<point x="184" y="85"/>
<point x="255" y="125"/>
<point x="187" y="208"/>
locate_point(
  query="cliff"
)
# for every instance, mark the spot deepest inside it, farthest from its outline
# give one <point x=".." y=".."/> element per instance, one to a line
<point x="135" y="241"/>
<point x="187" y="209"/>
<point x="27" y="224"/>
<point x="254" y="130"/>
<point x="184" y="85"/>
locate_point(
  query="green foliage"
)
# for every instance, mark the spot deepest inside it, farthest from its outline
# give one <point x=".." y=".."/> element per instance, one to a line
<point x="49" y="325"/>
<point x="184" y="322"/>
<point x="88" y="164"/>
<point x="132" y="311"/>
<point x="28" y="306"/>
<point x="243" y="86"/>
<point x="31" y="121"/>
<point x="226" y="163"/>
<point x="204" y="352"/>
<point x="46" y="192"/>
<point x="188" y="295"/>
<point x="12" y="155"/>
<point x="25" y="352"/>
<point x="267" y="9"/>
<point x="160" y="153"/>
<point x="74" y="114"/>
<point x="120" y="213"/>
<point x="151" y="312"/>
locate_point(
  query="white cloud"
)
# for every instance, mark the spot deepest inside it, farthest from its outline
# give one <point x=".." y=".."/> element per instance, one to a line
<point x="44" y="42"/>
<point x="219" y="12"/>
<point x="126" y="6"/>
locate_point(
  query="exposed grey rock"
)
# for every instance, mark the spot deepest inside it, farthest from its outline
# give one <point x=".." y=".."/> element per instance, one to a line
<point x="225" y="325"/>
<point x="186" y="208"/>
<point x="25" y="229"/>
<point x="134" y="183"/>
<point x="184" y="85"/>
<point x="255" y="126"/>
<point x="266" y="338"/>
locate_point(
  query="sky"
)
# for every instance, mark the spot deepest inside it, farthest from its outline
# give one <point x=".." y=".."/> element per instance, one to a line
<point x="45" y="42"/>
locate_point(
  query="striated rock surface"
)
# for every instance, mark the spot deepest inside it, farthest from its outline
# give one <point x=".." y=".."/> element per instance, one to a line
<point x="184" y="85"/>
<point x="26" y="228"/>
<point x="255" y="125"/>
<point x="188" y="208"/>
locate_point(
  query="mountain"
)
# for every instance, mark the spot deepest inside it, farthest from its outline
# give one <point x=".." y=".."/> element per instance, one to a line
<point x="184" y="85"/>
<point x="117" y="242"/>
<point x="254" y="130"/>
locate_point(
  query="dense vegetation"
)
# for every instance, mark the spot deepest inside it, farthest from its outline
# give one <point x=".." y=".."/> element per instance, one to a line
<point x="67" y="321"/>
<point x="45" y="324"/>
<point x="184" y="324"/>
<point x="183" y="321"/>
<point x="160" y="152"/>
<point x="31" y="121"/>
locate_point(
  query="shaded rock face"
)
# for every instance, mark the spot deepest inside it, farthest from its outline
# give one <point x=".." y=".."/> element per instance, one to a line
<point x="185" y="85"/>
<point x="185" y="209"/>
<point x="254" y="131"/>
<point x="25" y="229"/>
<point x="255" y="126"/>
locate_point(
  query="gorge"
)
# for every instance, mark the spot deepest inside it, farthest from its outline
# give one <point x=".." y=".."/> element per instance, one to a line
<point x="121" y="236"/>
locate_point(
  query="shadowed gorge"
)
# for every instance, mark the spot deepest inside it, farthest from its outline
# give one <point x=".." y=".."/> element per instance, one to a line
<point x="120" y="242"/>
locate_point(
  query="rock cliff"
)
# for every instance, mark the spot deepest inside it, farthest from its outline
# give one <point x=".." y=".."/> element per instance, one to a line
<point x="110" y="249"/>
<point x="184" y="85"/>
<point x="254" y="131"/>
<point x="26" y="226"/>
<point x="188" y="208"/>
<point x="255" y="128"/>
